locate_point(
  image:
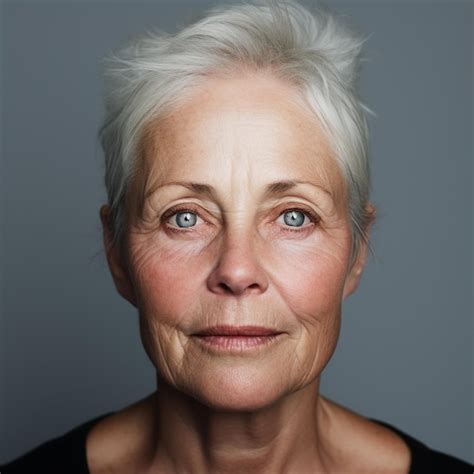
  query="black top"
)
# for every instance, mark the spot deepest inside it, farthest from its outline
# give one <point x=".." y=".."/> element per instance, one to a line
<point x="67" y="454"/>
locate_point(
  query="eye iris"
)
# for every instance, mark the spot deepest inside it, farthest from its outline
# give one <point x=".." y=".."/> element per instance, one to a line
<point x="296" y="218"/>
<point x="187" y="217"/>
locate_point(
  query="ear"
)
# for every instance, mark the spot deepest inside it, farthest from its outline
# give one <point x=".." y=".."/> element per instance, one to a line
<point x="117" y="266"/>
<point x="355" y="274"/>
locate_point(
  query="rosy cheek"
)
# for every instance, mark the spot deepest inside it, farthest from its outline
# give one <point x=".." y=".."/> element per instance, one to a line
<point x="310" y="276"/>
<point x="162" y="279"/>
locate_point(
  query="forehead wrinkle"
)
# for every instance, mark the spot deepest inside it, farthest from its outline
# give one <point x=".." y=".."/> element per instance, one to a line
<point x="153" y="181"/>
<point x="162" y="157"/>
<point x="167" y="152"/>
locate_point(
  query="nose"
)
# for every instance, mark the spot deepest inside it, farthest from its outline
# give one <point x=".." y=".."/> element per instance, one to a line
<point x="237" y="271"/>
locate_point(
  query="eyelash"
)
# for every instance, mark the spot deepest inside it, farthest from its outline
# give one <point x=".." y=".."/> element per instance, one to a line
<point x="313" y="217"/>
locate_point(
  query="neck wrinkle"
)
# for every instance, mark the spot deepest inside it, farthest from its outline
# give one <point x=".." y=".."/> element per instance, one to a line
<point x="285" y="437"/>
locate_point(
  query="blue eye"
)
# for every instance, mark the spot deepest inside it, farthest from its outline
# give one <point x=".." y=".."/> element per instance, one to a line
<point x="185" y="218"/>
<point x="294" y="220"/>
<point x="294" y="217"/>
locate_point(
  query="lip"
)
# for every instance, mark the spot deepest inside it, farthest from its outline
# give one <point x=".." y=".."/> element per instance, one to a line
<point x="236" y="339"/>
<point x="238" y="331"/>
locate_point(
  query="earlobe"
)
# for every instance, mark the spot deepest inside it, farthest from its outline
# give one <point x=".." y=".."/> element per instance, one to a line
<point x="117" y="266"/>
<point x="355" y="274"/>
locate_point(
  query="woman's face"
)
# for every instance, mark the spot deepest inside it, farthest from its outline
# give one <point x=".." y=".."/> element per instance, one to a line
<point x="236" y="251"/>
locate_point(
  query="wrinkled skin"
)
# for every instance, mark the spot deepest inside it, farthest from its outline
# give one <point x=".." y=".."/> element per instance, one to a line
<point x="239" y="262"/>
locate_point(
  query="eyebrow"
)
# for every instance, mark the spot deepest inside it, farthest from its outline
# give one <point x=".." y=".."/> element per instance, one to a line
<point x="272" y="189"/>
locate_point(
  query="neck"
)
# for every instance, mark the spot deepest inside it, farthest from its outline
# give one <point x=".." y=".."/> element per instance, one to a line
<point x="287" y="436"/>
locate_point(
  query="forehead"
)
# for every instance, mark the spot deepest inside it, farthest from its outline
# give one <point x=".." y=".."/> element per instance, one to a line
<point x="255" y="126"/>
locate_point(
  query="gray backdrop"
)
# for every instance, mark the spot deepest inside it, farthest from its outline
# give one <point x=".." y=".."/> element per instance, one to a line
<point x="70" y="347"/>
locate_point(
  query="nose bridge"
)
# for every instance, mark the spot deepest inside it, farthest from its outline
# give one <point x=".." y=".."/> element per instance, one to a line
<point x="237" y="269"/>
<point x="238" y="239"/>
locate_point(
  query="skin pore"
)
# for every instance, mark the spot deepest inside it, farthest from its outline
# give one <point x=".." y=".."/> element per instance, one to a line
<point x="227" y="254"/>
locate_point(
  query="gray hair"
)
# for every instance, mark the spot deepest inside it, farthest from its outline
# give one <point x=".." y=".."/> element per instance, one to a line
<point x="315" y="50"/>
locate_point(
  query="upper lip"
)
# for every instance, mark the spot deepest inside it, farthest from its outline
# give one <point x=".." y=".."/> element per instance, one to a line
<point x="237" y="331"/>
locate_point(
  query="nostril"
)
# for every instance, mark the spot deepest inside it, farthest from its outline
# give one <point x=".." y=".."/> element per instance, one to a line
<point x="237" y="289"/>
<point x="225" y="287"/>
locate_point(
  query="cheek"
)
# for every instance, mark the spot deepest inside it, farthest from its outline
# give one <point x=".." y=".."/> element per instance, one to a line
<point x="310" y="276"/>
<point x="310" y="280"/>
<point x="162" y="280"/>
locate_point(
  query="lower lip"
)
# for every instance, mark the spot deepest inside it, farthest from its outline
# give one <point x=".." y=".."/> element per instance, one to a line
<point x="240" y="343"/>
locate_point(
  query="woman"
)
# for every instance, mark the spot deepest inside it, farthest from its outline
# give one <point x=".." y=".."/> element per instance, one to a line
<point x="237" y="222"/>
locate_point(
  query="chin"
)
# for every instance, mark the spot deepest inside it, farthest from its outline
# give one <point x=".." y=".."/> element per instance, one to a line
<point x="238" y="390"/>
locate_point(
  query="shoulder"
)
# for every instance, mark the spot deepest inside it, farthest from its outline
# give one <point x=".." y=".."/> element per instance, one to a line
<point x="65" y="453"/>
<point x="376" y="446"/>
<point x="122" y="442"/>
<point x="425" y="459"/>
<point x="362" y="445"/>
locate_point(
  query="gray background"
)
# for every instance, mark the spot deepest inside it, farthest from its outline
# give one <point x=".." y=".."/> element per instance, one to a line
<point x="70" y="346"/>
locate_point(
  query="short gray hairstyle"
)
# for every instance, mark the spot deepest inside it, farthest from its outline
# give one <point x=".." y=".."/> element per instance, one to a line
<point x="314" y="49"/>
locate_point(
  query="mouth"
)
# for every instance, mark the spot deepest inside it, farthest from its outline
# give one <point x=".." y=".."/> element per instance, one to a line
<point x="236" y="338"/>
<point x="237" y="331"/>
